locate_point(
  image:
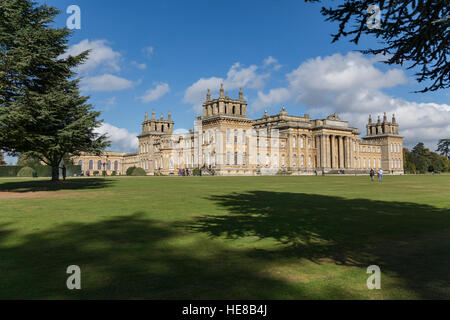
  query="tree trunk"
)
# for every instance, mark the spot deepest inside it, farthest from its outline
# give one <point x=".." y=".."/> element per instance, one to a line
<point x="55" y="173"/>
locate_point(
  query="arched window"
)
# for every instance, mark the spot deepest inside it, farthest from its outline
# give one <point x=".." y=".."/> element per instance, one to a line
<point x="309" y="162"/>
<point x="91" y="165"/>
<point x="302" y="161"/>
<point x="99" y="165"/>
<point x="301" y="142"/>
<point x="116" y="166"/>
<point x="109" y="166"/>
<point x="80" y="163"/>
<point x="294" y="160"/>
<point x="234" y="110"/>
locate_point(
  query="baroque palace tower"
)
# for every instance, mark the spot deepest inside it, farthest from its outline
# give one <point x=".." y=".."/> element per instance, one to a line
<point x="226" y="142"/>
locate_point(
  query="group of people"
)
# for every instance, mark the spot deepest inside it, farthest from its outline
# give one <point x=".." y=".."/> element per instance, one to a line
<point x="379" y="174"/>
<point x="184" y="172"/>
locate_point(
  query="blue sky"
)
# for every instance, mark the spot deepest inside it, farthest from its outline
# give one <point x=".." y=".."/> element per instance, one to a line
<point x="163" y="55"/>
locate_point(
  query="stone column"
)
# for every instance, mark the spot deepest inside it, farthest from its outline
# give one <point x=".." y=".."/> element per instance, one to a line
<point x="341" y="153"/>
<point x="322" y="151"/>
<point x="328" y="151"/>
<point x="332" y="153"/>
<point x="346" y="147"/>
<point x="305" y="147"/>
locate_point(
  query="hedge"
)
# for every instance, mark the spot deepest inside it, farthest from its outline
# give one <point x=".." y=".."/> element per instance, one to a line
<point x="139" y="172"/>
<point x="9" y="171"/>
<point x="41" y="171"/>
<point x="130" y="171"/>
<point x="26" y="172"/>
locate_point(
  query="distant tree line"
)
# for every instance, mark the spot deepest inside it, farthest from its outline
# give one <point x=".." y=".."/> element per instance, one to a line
<point x="422" y="160"/>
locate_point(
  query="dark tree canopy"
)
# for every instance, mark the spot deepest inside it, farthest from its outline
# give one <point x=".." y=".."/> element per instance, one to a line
<point x="443" y="147"/>
<point x="42" y="113"/>
<point x="412" y="32"/>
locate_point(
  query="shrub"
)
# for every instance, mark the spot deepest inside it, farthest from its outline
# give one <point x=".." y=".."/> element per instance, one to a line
<point x="95" y="173"/>
<point x="26" y="172"/>
<point x="9" y="171"/>
<point x="196" y="172"/>
<point x="130" y="171"/>
<point x="104" y="173"/>
<point x="138" y="172"/>
<point x="114" y="173"/>
<point x="73" y="170"/>
<point x="43" y="171"/>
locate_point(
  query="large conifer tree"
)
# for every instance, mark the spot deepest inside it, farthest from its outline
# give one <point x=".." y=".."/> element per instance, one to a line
<point x="42" y="113"/>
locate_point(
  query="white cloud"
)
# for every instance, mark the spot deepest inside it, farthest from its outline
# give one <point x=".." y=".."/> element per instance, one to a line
<point x="106" y="82"/>
<point x="237" y="77"/>
<point x="154" y="94"/>
<point x="181" y="131"/>
<point x="101" y="55"/>
<point x="121" y="139"/>
<point x="140" y="66"/>
<point x="351" y="85"/>
<point x="272" y="62"/>
<point x="149" y="51"/>
<point x="274" y="97"/>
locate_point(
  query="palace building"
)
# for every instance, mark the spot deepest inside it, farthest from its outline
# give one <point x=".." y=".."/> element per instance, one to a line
<point x="225" y="141"/>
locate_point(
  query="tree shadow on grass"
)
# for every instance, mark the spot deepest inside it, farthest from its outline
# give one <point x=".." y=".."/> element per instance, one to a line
<point x="45" y="185"/>
<point x="409" y="240"/>
<point x="135" y="258"/>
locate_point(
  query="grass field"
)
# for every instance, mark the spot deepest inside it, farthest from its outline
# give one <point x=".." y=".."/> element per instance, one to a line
<point x="226" y="237"/>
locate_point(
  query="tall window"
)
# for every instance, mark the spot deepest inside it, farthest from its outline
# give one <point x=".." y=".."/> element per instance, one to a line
<point x="116" y="166"/>
<point x="309" y="162"/>
<point x="283" y="162"/>
<point x="302" y="161"/>
<point x="294" y="142"/>
<point x="301" y="142"/>
<point x="258" y="159"/>
<point x="267" y="160"/>
<point x="99" y="165"/>
<point x="228" y="158"/>
<point x="91" y="165"/>
<point x="294" y="160"/>
<point x="244" y="137"/>
<point x="228" y="136"/>
<point x="235" y="158"/>
<point x="235" y="136"/>
<point x="244" y="159"/>
<point x="109" y="166"/>
<point x="171" y="162"/>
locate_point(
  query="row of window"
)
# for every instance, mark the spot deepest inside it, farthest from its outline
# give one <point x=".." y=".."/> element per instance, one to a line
<point x="101" y="165"/>
<point x="369" y="149"/>
<point x="395" y="147"/>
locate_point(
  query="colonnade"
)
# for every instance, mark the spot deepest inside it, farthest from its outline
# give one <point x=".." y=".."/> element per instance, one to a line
<point x="336" y="151"/>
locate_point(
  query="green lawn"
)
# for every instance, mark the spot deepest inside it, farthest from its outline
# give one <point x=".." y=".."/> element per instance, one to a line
<point x="226" y="237"/>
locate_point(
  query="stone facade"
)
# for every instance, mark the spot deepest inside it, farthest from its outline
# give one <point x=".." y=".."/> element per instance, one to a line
<point x="226" y="142"/>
